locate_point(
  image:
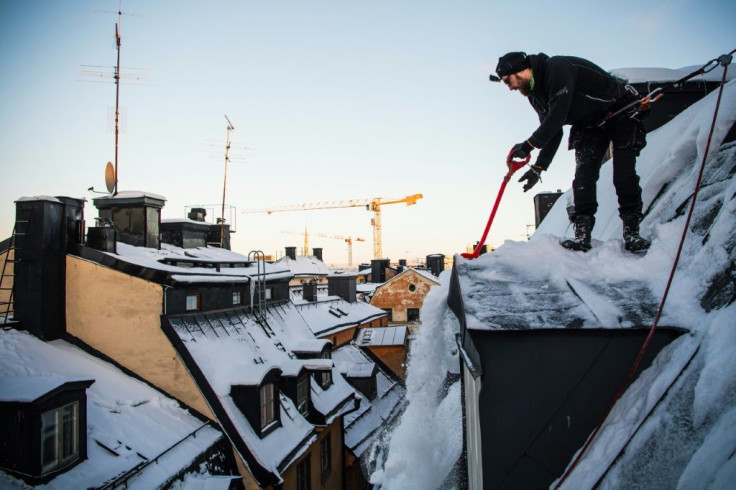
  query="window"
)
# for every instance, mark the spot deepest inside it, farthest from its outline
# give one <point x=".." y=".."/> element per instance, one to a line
<point x="302" y="395"/>
<point x="265" y="294"/>
<point x="268" y="405"/>
<point x="59" y="436"/>
<point x="194" y="302"/>
<point x="325" y="377"/>
<point x="325" y="449"/>
<point x="237" y="297"/>
<point x="303" y="474"/>
<point x="412" y="314"/>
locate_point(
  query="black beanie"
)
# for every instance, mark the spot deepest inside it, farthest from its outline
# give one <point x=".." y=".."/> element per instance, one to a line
<point x="512" y="62"/>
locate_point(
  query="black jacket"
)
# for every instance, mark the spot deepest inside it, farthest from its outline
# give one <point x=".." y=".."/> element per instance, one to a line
<point x="569" y="90"/>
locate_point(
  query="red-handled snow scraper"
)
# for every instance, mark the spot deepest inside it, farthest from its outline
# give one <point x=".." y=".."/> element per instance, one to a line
<point x="514" y="165"/>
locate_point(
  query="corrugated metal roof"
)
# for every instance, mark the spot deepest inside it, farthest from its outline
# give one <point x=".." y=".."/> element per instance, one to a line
<point x="383" y="336"/>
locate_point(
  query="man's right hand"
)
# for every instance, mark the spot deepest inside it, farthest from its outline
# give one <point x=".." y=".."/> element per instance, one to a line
<point x="519" y="151"/>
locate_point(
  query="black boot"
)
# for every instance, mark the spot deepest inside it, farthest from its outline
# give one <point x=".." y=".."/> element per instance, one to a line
<point x="633" y="242"/>
<point x="583" y="227"/>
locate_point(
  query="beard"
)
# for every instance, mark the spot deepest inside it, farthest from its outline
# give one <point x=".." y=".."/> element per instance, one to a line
<point x="525" y="87"/>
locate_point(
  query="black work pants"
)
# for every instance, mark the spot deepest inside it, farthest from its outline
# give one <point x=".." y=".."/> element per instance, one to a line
<point x="626" y="137"/>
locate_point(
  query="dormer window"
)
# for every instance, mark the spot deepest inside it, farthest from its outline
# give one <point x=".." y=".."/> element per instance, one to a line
<point x="237" y="297"/>
<point x="44" y="427"/>
<point x="268" y="406"/>
<point x="59" y="436"/>
<point x="325" y="377"/>
<point x="259" y="402"/>
<point x="302" y="395"/>
<point x="194" y="302"/>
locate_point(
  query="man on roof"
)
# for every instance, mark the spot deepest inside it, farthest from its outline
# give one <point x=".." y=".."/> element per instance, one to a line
<point x="570" y="90"/>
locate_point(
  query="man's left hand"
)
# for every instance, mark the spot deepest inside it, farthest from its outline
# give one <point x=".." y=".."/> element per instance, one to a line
<point x="532" y="176"/>
<point x="519" y="151"/>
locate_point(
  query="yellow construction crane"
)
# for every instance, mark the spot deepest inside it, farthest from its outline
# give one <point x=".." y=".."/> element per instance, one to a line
<point x="373" y="204"/>
<point x="348" y="240"/>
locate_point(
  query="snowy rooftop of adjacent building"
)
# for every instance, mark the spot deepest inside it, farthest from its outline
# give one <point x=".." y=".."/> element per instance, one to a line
<point x="233" y="348"/>
<point x="128" y="422"/>
<point x="425" y="273"/>
<point x="133" y="194"/>
<point x="304" y="265"/>
<point x="198" y="264"/>
<point x="332" y="314"/>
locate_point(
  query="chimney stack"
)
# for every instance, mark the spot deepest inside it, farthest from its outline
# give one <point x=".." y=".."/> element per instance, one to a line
<point x="309" y="291"/>
<point x="343" y="285"/>
<point x="436" y="263"/>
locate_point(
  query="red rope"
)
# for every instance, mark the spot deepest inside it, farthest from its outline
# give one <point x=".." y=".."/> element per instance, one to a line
<point x="648" y="340"/>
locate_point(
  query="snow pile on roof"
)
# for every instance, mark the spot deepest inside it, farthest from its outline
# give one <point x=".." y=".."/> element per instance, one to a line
<point x="425" y="444"/>
<point x="688" y="439"/>
<point x="128" y="422"/>
<point x="363" y="425"/>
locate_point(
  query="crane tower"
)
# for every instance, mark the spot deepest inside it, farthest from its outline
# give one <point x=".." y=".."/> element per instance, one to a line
<point x="348" y="240"/>
<point x="370" y="204"/>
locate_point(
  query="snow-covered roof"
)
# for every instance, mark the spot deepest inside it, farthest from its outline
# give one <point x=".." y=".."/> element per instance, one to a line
<point x="38" y="198"/>
<point x="333" y="314"/>
<point x="128" y="422"/>
<point x="234" y="348"/>
<point x="304" y="265"/>
<point x="551" y="288"/>
<point x="367" y="287"/>
<point x="363" y="425"/>
<point x="198" y="264"/>
<point x="135" y="195"/>
<point x="408" y="271"/>
<point x="644" y="75"/>
<point x="30" y="388"/>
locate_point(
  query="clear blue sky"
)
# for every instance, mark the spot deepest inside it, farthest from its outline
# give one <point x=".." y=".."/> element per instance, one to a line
<point x="334" y="100"/>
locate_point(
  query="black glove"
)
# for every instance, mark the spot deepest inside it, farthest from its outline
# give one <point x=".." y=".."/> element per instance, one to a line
<point x="532" y="176"/>
<point x="520" y="151"/>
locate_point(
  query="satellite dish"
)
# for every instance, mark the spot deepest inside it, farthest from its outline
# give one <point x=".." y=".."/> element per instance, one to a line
<point x="110" y="180"/>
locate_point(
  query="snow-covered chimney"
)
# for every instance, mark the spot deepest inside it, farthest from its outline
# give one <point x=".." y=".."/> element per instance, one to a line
<point x="136" y="216"/>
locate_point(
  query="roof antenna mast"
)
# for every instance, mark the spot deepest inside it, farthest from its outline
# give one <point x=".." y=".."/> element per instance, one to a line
<point x="111" y="174"/>
<point x="117" y="95"/>
<point x="230" y="127"/>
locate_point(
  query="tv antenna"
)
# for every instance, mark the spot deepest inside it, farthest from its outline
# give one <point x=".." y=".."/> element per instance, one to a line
<point x="117" y="76"/>
<point x="230" y="127"/>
